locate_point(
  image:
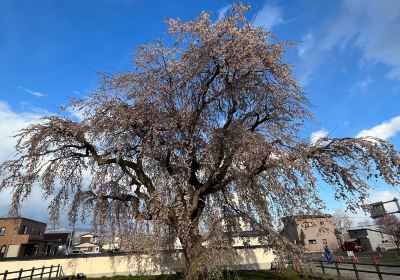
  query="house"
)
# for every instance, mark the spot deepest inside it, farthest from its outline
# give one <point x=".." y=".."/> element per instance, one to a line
<point x="88" y="244"/>
<point x="372" y="239"/>
<point x="89" y="237"/>
<point x="114" y="246"/>
<point x="62" y="236"/>
<point x="314" y="232"/>
<point x="22" y="237"/>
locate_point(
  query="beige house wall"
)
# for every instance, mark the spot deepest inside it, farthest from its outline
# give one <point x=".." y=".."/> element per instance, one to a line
<point x="315" y="228"/>
<point x="252" y="258"/>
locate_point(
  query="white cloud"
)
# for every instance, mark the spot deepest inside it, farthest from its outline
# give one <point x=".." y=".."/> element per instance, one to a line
<point x="315" y="136"/>
<point x="306" y="44"/>
<point x="306" y="48"/>
<point x="10" y="123"/>
<point x="76" y="114"/>
<point x="222" y="12"/>
<point x="384" y="130"/>
<point x="268" y="17"/>
<point x="32" y="92"/>
<point x="371" y="26"/>
<point x="364" y="83"/>
<point x="361" y="85"/>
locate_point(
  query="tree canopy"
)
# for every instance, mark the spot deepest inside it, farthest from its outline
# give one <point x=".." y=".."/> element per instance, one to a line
<point x="201" y="139"/>
<point x="390" y="224"/>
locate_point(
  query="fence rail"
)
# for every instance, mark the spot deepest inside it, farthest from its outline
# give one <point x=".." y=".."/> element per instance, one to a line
<point x="335" y="265"/>
<point x="52" y="270"/>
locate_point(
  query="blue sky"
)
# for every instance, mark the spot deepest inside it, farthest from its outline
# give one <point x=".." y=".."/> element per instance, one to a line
<point x="347" y="58"/>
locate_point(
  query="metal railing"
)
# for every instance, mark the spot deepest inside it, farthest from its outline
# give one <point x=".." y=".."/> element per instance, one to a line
<point x="355" y="266"/>
<point x="33" y="273"/>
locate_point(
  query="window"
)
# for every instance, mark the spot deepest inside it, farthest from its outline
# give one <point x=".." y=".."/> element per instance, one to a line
<point x="2" y="231"/>
<point x="321" y="223"/>
<point x="24" y="230"/>
<point x="2" y="251"/>
<point x="308" y="224"/>
<point x="324" y="241"/>
<point x="312" y="241"/>
<point x="39" y="232"/>
<point x="33" y="230"/>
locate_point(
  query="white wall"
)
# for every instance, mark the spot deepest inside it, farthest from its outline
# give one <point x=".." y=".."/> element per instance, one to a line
<point x="254" y="258"/>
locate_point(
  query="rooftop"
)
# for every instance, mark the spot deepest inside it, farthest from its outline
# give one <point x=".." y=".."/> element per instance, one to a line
<point x="316" y="216"/>
<point x="22" y="218"/>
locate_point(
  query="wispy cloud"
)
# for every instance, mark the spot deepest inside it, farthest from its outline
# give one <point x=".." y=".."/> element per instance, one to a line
<point x="384" y="130"/>
<point x="307" y="66"/>
<point x="370" y="26"/>
<point x="269" y="16"/>
<point x="32" y="92"/>
<point x="361" y="85"/>
<point x="223" y="11"/>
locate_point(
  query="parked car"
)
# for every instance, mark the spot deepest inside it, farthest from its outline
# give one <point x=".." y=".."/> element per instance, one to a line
<point x="353" y="245"/>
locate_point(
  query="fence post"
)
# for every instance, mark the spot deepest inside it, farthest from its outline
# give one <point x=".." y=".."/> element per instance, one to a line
<point x="378" y="271"/>
<point x="5" y="275"/>
<point x="41" y="273"/>
<point x="32" y="272"/>
<point x="322" y="266"/>
<point x="58" y="270"/>
<point x="51" y="270"/>
<point x="337" y="269"/>
<point x="20" y="273"/>
<point x="356" y="271"/>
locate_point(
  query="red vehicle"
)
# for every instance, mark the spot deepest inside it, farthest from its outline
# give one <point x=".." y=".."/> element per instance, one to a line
<point x="353" y="245"/>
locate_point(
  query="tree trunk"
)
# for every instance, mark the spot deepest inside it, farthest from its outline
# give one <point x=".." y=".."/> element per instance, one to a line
<point x="195" y="255"/>
<point x="196" y="268"/>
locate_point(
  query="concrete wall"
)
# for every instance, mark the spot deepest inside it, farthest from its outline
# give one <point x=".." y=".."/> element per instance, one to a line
<point x="253" y="258"/>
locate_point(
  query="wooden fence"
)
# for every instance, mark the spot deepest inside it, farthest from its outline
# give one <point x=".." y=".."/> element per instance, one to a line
<point x="33" y="273"/>
<point x="355" y="266"/>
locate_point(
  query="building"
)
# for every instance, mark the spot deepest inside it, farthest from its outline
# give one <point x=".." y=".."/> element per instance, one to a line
<point x="341" y="236"/>
<point x="113" y="246"/>
<point x="88" y="244"/>
<point x="314" y="232"/>
<point x="62" y="236"/>
<point x="21" y="237"/>
<point x="372" y="239"/>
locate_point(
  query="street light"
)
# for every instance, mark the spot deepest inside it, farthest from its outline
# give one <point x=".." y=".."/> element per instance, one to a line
<point x="377" y="209"/>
